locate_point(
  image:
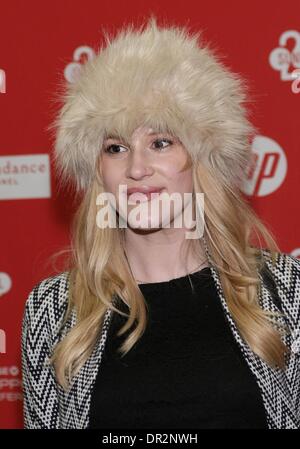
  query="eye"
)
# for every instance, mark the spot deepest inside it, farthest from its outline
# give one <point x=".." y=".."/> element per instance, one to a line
<point x="109" y="147"/>
<point x="163" y="140"/>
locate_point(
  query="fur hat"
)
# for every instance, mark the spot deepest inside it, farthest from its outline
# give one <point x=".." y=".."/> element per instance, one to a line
<point x="160" y="77"/>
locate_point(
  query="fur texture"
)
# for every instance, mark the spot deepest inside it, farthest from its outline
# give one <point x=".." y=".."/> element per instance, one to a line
<point x="166" y="78"/>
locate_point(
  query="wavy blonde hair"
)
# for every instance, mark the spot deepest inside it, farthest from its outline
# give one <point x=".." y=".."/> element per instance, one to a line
<point x="171" y="83"/>
<point x="229" y="225"/>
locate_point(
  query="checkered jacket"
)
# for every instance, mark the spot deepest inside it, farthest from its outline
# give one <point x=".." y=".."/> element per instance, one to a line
<point x="48" y="406"/>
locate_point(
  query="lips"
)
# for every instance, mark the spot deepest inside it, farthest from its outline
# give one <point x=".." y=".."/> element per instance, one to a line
<point x="143" y="193"/>
<point x="144" y="189"/>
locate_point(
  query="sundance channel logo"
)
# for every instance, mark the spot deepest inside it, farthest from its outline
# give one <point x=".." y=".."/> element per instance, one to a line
<point x="25" y="176"/>
<point x="146" y="209"/>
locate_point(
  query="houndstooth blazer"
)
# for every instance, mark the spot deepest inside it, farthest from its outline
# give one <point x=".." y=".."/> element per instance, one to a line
<point x="48" y="406"/>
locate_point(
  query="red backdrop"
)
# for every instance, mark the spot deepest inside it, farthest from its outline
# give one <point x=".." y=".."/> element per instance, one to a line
<point x="44" y="42"/>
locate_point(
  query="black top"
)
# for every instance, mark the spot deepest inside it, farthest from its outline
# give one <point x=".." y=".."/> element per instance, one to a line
<point x="186" y="371"/>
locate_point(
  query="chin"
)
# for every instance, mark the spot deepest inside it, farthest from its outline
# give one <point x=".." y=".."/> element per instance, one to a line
<point x="149" y="224"/>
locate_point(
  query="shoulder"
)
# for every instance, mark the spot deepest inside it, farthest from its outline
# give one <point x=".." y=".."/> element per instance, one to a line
<point x="286" y="270"/>
<point x="286" y="277"/>
<point x="46" y="303"/>
<point x="43" y="314"/>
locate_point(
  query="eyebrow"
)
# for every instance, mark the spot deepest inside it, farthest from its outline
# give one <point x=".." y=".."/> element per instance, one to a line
<point x="151" y="133"/>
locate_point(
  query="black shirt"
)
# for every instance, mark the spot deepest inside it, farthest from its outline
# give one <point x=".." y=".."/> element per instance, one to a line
<point x="186" y="371"/>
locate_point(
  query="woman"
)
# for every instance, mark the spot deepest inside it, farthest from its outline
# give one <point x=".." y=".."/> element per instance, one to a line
<point x="154" y="325"/>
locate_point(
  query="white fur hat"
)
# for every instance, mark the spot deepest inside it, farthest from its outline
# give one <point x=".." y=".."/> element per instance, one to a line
<point x="164" y="78"/>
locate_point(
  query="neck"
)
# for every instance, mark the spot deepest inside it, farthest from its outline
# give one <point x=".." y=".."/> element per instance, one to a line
<point x="163" y="254"/>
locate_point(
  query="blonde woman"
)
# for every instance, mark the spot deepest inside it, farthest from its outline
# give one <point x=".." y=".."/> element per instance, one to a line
<point x="150" y="326"/>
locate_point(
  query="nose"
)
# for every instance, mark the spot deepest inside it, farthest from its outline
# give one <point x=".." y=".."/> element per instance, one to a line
<point x="138" y="165"/>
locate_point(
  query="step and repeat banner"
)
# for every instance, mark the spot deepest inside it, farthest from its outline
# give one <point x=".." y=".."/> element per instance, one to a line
<point x="45" y="43"/>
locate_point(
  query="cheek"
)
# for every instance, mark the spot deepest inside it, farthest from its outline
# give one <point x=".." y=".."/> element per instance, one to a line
<point x="179" y="172"/>
<point x="110" y="175"/>
<point x="181" y="181"/>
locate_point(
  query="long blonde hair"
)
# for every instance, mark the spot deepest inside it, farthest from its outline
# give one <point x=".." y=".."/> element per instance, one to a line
<point x="99" y="270"/>
<point x="164" y="79"/>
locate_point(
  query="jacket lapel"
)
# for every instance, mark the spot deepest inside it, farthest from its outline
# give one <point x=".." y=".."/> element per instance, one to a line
<point x="75" y="403"/>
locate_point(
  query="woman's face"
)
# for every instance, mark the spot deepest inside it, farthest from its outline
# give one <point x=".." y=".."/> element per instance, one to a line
<point x="151" y="160"/>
